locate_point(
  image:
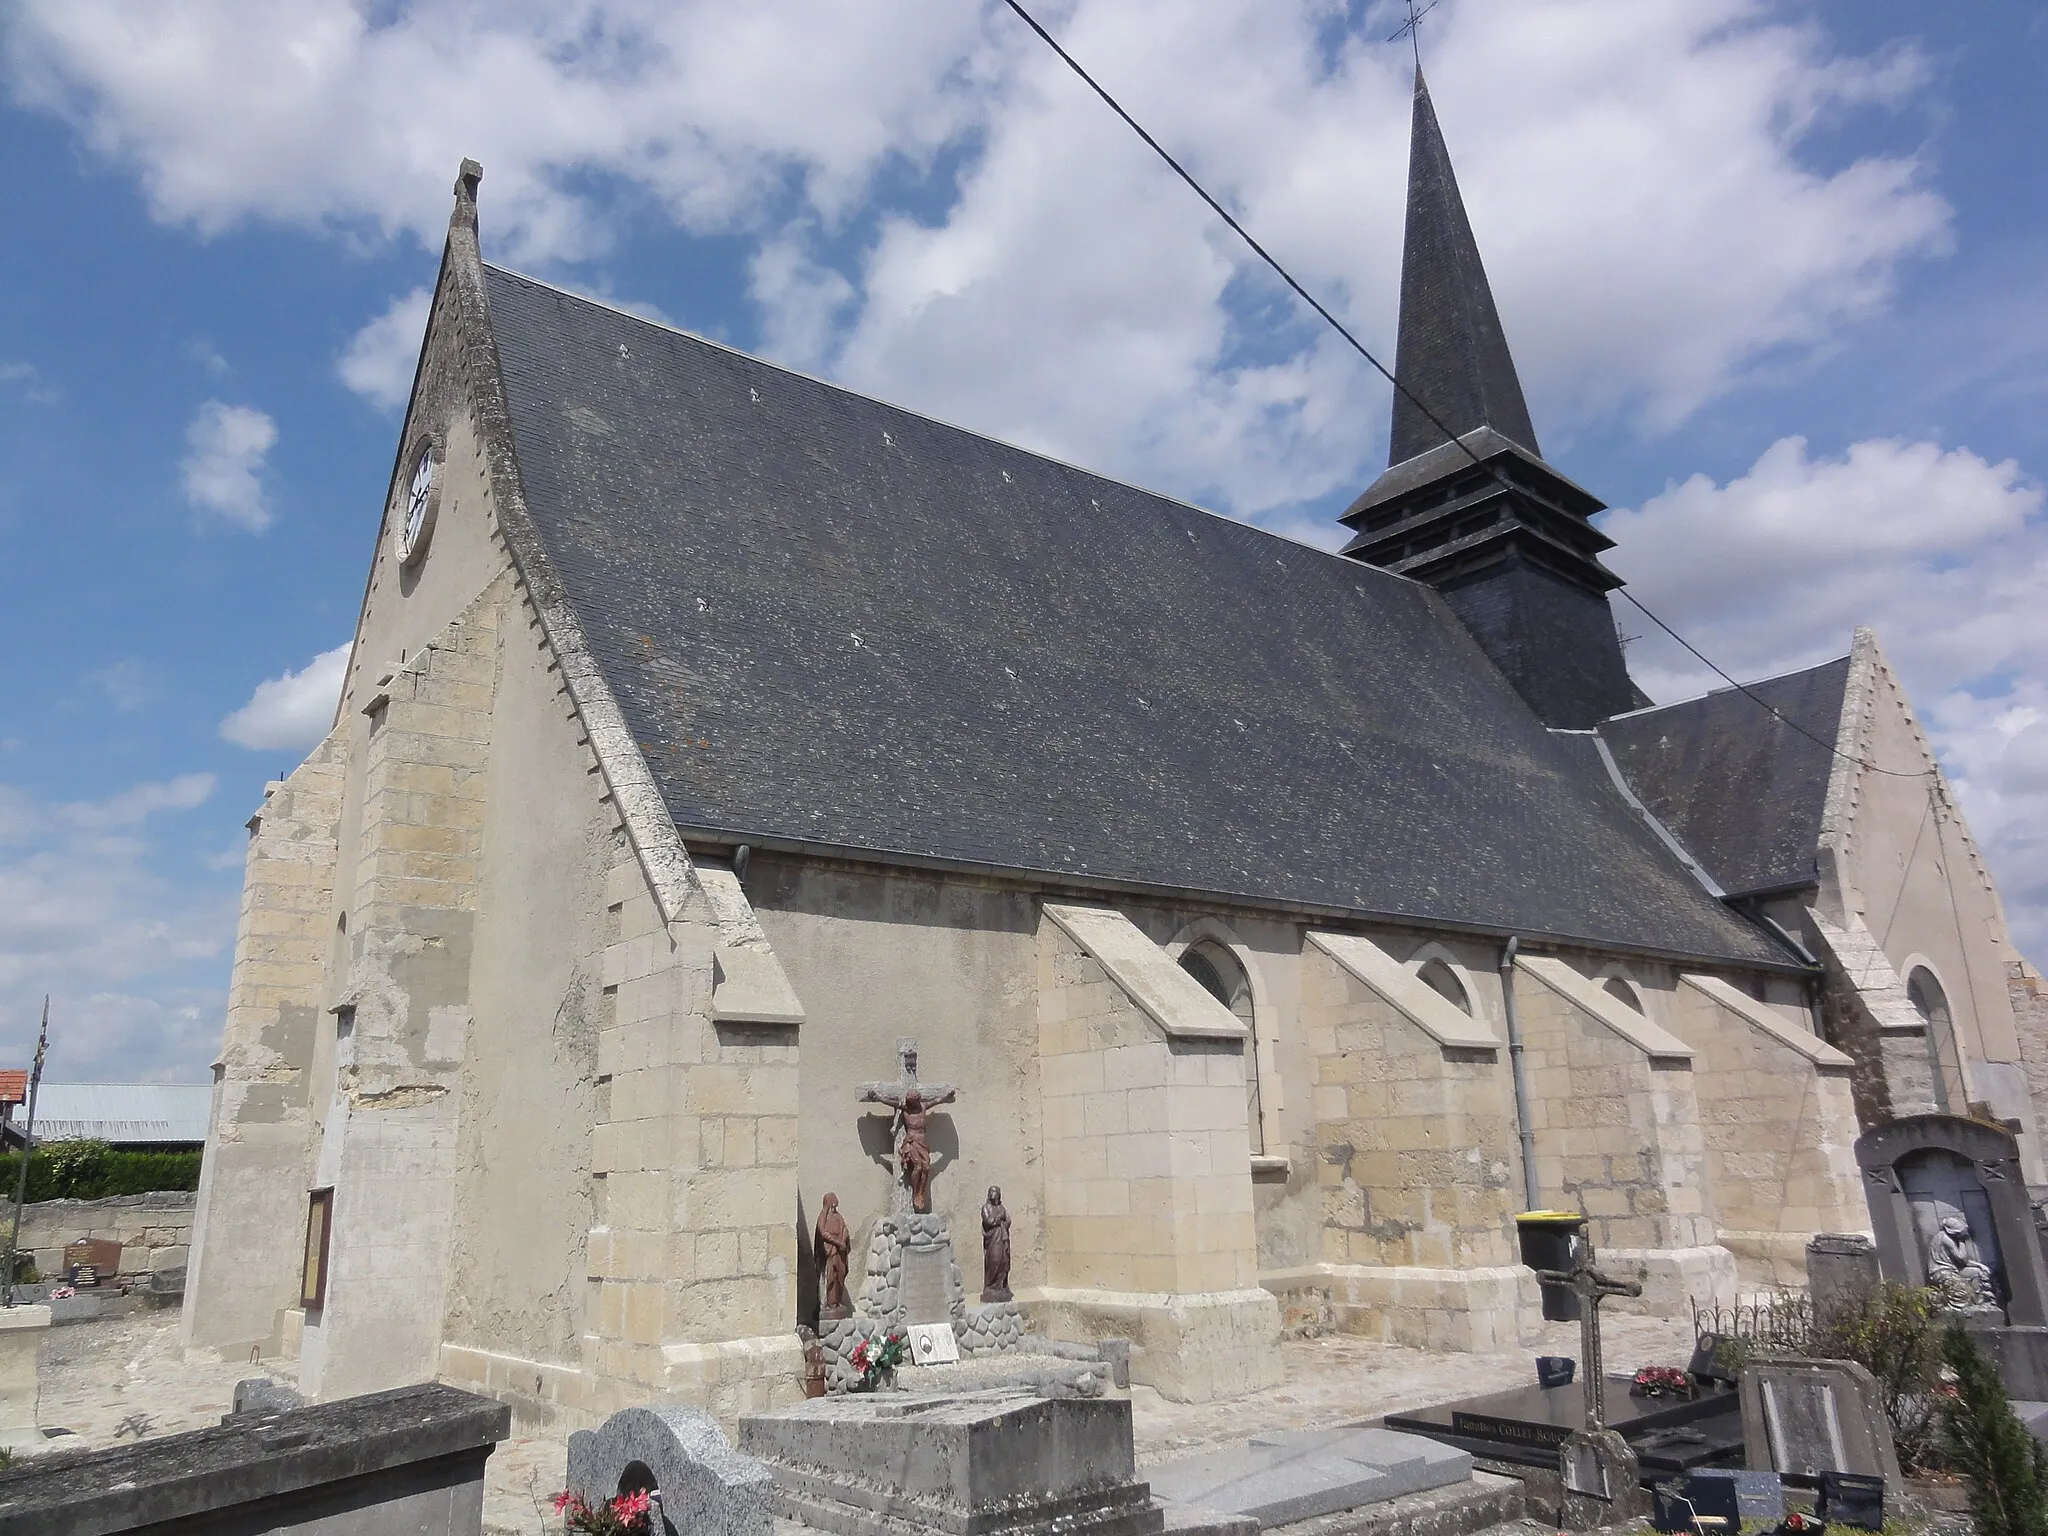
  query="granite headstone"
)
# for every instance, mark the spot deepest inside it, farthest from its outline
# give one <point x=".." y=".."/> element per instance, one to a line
<point x="707" y="1488"/>
<point x="1801" y="1418"/>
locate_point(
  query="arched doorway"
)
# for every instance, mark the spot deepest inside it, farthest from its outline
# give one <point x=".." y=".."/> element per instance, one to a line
<point x="1944" y="1055"/>
<point x="1223" y="978"/>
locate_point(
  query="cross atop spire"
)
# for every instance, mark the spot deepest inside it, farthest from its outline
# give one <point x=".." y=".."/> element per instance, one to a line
<point x="1412" y="29"/>
<point x="1452" y="352"/>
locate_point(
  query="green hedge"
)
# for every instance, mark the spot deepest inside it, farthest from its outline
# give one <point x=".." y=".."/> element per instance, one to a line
<point x="92" y="1170"/>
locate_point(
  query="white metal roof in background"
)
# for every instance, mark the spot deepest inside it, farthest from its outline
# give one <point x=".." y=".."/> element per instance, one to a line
<point x="121" y="1112"/>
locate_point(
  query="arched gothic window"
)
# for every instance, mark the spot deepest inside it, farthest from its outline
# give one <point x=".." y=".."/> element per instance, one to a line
<point x="1943" y="1055"/>
<point x="1220" y="975"/>
<point x="1623" y="991"/>
<point x="1444" y="982"/>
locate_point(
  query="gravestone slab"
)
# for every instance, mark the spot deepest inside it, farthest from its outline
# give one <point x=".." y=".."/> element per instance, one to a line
<point x="1841" y="1270"/>
<point x="1804" y="1417"/>
<point x="391" y="1463"/>
<point x="998" y="1463"/>
<point x="261" y="1394"/>
<point x="1297" y="1475"/>
<point x="933" y="1344"/>
<point x="707" y="1488"/>
<point x="1526" y="1425"/>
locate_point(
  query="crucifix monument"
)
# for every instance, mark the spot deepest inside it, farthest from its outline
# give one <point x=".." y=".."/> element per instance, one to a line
<point x="913" y="1101"/>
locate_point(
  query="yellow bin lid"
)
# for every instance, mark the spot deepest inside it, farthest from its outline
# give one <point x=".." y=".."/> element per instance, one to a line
<point x="1551" y="1218"/>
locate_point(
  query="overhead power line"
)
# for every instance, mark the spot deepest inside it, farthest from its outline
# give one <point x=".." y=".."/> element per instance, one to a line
<point x="1386" y="373"/>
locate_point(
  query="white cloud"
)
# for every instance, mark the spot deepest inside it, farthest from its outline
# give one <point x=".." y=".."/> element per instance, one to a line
<point x="137" y="804"/>
<point x="223" y="465"/>
<point x="1944" y="554"/>
<point x="1637" y="173"/>
<point x="130" y="958"/>
<point x="710" y="107"/>
<point x="379" y="362"/>
<point x="290" y="713"/>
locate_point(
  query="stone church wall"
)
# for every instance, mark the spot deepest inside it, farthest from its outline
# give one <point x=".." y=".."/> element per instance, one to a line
<point x="1415" y="1162"/>
<point x="1780" y="1126"/>
<point x="1149" y="1228"/>
<point x="1616" y="1109"/>
<point x="242" y="1276"/>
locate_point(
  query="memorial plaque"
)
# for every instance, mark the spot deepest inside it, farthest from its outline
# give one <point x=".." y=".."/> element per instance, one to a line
<point x="933" y="1344"/>
<point x="85" y="1262"/>
<point x="925" y="1293"/>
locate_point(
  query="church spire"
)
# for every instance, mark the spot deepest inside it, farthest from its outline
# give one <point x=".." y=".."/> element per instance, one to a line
<point x="1477" y="514"/>
<point x="1452" y="352"/>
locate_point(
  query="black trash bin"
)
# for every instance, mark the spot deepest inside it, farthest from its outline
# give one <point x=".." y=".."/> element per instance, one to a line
<point x="1549" y="1241"/>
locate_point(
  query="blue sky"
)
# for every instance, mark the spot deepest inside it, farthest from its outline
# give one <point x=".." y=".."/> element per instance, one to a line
<point x="1777" y="277"/>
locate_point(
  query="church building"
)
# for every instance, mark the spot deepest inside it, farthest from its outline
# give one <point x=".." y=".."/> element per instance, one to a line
<point x="1286" y="921"/>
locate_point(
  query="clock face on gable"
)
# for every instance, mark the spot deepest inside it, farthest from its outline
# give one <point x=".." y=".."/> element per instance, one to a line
<point x="419" y="500"/>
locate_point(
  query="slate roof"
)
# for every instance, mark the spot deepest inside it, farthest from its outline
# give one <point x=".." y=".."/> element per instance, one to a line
<point x="1452" y="351"/>
<point x="1739" y="788"/>
<point x="834" y="623"/>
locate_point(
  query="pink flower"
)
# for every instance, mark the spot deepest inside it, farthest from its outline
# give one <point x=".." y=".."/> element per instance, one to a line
<point x="631" y="1506"/>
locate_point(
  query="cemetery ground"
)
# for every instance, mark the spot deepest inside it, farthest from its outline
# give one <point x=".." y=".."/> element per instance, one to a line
<point x="115" y="1381"/>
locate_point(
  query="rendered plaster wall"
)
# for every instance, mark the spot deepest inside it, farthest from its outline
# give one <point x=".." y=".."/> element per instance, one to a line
<point x="1619" y="1136"/>
<point x="878" y="956"/>
<point x="388" y="1141"/>
<point x="242" y="1273"/>
<point x="528" y="1093"/>
<point x="1780" y="1138"/>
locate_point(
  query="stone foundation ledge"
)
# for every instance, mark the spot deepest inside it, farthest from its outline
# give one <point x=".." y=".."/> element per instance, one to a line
<point x="1193" y="1348"/>
<point x="1677" y="1278"/>
<point x="542" y="1394"/>
<point x="1459" y="1311"/>
<point x="735" y="1376"/>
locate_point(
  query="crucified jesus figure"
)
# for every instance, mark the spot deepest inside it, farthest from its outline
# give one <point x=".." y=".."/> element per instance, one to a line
<point x="913" y="1102"/>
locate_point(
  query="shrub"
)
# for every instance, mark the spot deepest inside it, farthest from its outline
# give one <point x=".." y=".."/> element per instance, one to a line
<point x="2005" y="1466"/>
<point x="91" y="1170"/>
<point x="1895" y="1333"/>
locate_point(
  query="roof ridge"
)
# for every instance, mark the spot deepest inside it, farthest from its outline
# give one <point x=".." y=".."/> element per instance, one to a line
<point x="1755" y="682"/>
<point x="939" y="421"/>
